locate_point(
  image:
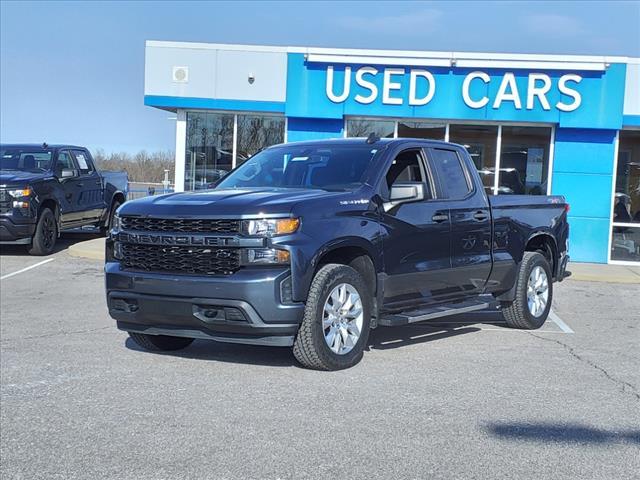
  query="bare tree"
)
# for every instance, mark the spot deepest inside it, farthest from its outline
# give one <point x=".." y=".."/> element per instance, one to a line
<point x="141" y="167"/>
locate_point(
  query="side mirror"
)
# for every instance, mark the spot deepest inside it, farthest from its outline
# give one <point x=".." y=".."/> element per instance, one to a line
<point x="404" y="192"/>
<point x="67" y="173"/>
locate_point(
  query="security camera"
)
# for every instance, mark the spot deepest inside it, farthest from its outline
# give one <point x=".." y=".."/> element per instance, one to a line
<point x="251" y="79"/>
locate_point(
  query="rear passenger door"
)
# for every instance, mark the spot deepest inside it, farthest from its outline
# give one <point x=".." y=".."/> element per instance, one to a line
<point x="91" y="195"/>
<point x="470" y="221"/>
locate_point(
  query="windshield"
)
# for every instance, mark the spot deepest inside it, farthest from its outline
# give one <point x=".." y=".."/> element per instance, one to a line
<point x="326" y="167"/>
<point x="24" y="159"/>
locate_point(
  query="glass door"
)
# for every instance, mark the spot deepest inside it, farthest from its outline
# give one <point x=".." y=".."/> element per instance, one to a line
<point x="625" y="230"/>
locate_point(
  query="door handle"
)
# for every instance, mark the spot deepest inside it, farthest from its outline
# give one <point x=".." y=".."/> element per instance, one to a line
<point x="480" y="216"/>
<point x="440" y="217"/>
<point x="98" y="182"/>
<point x="79" y="184"/>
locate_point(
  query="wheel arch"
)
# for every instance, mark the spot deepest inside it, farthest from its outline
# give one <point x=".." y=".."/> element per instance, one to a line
<point x="544" y="243"/>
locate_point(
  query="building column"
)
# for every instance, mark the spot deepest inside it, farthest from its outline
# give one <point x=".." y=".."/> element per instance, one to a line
<point x="181" y="148"/>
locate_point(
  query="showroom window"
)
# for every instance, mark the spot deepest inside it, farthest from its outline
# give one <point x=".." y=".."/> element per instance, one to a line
<point x="256" y="132"/>
<point x="363" y="127"/>
<point x="524" y="160"/>
<point x="523" y="151"/>
<point x="481" y="143"/>
<point x="625" y="235"/>
<point x="210" y="143"/>
<point x="209" y="148"/>
<point x="434" y="131"/>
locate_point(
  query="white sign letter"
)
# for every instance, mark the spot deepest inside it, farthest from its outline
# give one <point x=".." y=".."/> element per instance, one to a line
<point x="540" y="92"/>
<point x="577" y="98"/>
<point x="366" y="84"/>
<point x="345" y="88"/>
<point x="388" y="85"/>
<point x="412" y="87"/>
<point x="509" y="81"/>
<point x="465" y="89"/>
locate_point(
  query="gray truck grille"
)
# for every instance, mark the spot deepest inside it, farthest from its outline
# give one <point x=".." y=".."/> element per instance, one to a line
<point x="180" y="225"/>
<point x="180" y="259"/>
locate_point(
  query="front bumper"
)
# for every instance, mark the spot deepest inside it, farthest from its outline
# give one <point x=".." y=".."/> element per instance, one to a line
<point x="241" y="308"/>
<point x="16" y="232"/>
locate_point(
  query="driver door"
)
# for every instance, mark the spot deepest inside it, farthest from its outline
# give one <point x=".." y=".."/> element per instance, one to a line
<point x="71" y="188"/>
<point x="417" y="236"/>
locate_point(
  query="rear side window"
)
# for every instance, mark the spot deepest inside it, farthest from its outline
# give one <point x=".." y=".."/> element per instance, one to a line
<point x="451" y="172"/>
<point x="83" y="162"/>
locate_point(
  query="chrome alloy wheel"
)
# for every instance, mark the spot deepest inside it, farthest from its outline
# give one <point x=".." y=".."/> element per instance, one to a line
<point x="342" y="318"/>
<point x="537" y="291"/>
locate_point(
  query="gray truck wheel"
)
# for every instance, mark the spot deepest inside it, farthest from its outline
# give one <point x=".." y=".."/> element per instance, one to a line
<point x="46" y="234"/>
<point x="160" y="343"/>
<point x="335" y="326"/>
<point x="534" y="293"/>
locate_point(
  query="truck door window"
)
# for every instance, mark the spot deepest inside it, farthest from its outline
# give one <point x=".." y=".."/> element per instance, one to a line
<point x="452" y="174"/>
<point x="406" y="168"/>
<point x="83" y="162"/>
<point x="64" y="161"/>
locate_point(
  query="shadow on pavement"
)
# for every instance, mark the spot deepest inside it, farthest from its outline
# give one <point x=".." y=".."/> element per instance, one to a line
<point x="65" y="241"/>
<point x="382" y="338"/>
<point x="228" y="352"/>
<point x="572" y="433"/>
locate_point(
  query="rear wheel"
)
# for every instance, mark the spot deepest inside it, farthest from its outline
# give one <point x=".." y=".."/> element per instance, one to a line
<point x="46" y="234"/>
<point x="160" y="343"/>
<point x="534" y="293"/>
<point x="335" y="326"/>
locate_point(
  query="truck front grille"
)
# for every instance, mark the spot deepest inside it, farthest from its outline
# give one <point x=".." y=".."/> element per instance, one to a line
<point x="5" y="201"/>
<point x="180" y="259"/>
<point x="142" y="224"/>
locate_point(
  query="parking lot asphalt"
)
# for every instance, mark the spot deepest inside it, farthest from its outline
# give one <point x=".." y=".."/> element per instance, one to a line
<point x="467" y="398"/>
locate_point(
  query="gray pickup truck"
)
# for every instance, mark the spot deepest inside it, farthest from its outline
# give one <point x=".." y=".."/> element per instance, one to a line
<point x="45" y="189"/>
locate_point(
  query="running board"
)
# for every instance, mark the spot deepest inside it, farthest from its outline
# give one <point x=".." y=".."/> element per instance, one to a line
<point x="431" y="313"/>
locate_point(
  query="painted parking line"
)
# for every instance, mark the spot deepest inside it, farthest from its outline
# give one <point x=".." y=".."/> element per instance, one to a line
<point x="558" y="321"/>
<point x="26" y="269"/>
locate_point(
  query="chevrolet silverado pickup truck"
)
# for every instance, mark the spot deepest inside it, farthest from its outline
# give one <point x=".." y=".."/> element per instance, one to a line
<point x="310" y="245"/>
<point x="45" y="189"/>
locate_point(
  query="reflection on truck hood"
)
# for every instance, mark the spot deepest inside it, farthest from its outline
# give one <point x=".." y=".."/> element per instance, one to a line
<point x="19" y="177"/>
<point x="228" y="202"/>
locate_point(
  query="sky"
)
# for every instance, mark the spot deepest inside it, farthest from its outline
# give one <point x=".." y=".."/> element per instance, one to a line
<point x="73" y="72"/>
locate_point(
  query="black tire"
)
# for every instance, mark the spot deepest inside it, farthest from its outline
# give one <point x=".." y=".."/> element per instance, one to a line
<point x="310" y="347"/>
<point x="160" y="343"/>
<point x="105" y="229"/>
<point x="46" y="234"/>
<point x="517" y="313"/>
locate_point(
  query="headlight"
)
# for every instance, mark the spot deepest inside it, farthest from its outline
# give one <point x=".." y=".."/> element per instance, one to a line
<point x="21" y="193"/>
<point x="271" y="227"/>
<point x="265" y="256"/>
<point x="116" y="222"/>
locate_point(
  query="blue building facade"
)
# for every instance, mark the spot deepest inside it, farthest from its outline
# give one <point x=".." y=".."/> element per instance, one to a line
<point x="533" y="124"/>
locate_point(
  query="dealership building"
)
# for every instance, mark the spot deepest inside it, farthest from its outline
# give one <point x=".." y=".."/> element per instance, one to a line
<point x="533" y="124"/>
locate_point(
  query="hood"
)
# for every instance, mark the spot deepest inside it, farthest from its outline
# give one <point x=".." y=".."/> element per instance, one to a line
<point x="19" y="177"/>
<point x="226" y="202"/>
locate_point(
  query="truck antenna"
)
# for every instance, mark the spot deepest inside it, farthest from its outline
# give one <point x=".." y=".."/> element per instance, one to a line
<point x="372" y="138"/>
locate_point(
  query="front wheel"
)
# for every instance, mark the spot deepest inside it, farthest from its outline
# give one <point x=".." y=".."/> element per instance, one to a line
<point x="335" y="326"/>
<point x="160" y="343"/>
<point x="105" y="229"/>
<point x="46" y="234"/>
<point x="534" y="293"/>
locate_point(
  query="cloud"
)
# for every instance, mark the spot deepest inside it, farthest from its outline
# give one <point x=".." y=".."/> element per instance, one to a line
<point x="427" y="20"/>
<point x="552" y="24"/>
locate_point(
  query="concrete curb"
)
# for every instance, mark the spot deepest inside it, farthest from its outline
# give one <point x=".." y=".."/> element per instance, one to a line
<point x="93" y="249"/>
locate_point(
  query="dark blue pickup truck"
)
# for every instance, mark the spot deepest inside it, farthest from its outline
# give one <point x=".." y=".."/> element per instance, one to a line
<point x="45" y="189"/>
<point x="310" y="245"/>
